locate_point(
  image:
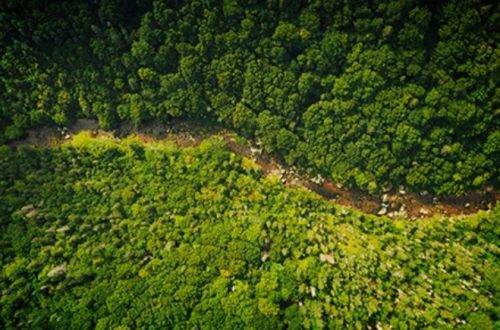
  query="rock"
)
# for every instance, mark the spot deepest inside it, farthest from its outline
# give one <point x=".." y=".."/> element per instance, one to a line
<point x="318" y="179"/>
<point x="424" y="193"/>
<point x="382" y="211"/>
<point x="67" y="137"/>
<point x="57" y="271"/>
<point x="384" y="198"/>
<point x="327" y="258"/>
<point x="255" y="151"/>
<point x="423" y="211"/>
<point x="396" y="204"/>
<point x="339" y="185"/>
<point x="402" y="190"/>
<point x="467" y="204"/>
<point x="435" y="200"/>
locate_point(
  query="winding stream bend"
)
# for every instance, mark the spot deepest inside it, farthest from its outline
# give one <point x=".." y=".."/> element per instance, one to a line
<point x="395" y="203"/>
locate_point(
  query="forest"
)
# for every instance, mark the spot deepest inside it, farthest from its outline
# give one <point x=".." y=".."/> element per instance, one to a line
<point x="372" y="94"/>
<point x="380" y="98"/>
<point x="102" y="234"/>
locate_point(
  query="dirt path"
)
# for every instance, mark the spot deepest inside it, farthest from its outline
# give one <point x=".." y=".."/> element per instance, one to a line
<point x="394" y="203"/>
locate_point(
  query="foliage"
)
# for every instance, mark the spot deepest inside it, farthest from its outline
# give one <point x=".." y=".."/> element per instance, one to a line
<point x="400" y="92"/>
<point x="105" y="234"/>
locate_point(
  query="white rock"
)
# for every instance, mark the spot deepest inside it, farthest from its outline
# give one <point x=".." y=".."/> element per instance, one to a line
<point x="382" y="211"/>
<point x="384" y="198"/>
<point x="255" y="151"/>
<point x="318" y="179"/>
<point x="423" y="211"/>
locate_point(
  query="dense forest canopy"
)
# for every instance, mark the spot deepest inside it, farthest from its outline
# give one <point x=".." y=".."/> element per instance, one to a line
<point x="118" y="235"/>
<point x="368" y="93"/>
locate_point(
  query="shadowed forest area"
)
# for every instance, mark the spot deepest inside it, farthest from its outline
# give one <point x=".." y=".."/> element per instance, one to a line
<point x="367" y="93"/>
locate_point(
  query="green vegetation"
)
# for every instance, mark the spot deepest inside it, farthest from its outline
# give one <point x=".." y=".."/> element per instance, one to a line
<point x="369" y="93"/>
<point x="116" y="235"/>
<point x="103" y="234"/>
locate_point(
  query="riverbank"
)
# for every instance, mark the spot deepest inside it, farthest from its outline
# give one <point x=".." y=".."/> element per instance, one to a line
<point x="395" y="203"/>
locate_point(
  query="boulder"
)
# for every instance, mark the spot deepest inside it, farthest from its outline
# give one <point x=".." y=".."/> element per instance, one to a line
<point x="382" y="211"/>
<point x="423" y="211"/>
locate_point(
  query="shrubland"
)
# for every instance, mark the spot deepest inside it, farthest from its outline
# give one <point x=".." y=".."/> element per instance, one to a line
<point x="99" y="233"/>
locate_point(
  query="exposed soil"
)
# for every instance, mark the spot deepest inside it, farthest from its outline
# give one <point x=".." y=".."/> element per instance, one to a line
<point x="394" y="203"/>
